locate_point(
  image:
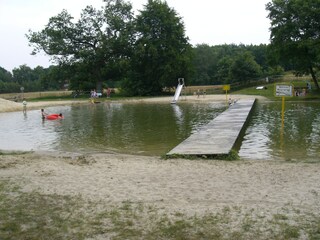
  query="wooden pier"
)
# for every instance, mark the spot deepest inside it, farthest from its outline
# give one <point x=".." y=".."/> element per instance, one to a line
<point x="220" y="134"/>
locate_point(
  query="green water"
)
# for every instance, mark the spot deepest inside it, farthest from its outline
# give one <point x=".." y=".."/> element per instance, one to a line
<point x="149" y="129"/>
<point x="298" y="139"/>
<point x="154" y="129"/>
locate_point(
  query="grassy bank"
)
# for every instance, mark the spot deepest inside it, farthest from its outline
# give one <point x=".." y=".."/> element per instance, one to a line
<point x="268" y="92"/>
<point x="36" y="216"/>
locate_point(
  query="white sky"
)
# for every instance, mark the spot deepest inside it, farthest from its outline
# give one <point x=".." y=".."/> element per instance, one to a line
<point x="206" y="21"/>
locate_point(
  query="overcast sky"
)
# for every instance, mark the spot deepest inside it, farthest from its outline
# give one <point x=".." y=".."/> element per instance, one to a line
<point x="206" y="21"/>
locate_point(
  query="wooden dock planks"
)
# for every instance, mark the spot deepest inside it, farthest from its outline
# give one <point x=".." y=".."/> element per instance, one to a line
<point x="220" y="134"/>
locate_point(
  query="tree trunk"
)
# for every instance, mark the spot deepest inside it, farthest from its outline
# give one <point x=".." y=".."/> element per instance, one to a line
<point x="314" y="77"/>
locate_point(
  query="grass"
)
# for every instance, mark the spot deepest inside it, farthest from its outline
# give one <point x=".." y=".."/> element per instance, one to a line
<point x="12" y="152"/>
<point x="232" y="156"/>
<point x="31" y="215"/>
<point x="269" y="93"/>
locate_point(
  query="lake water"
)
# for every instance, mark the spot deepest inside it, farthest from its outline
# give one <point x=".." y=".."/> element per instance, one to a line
<point x="298" y="140"/>
<point x="154" y="129"/>
<point x="150" y="129"/>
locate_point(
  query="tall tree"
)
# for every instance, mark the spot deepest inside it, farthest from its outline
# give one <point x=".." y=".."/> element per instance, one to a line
<point x="205" y="62"/>
<point x="96" y="42"/>
<point x="244" y="68"/>
<point x="295" y="33"/>
<point x="161" y="53"/>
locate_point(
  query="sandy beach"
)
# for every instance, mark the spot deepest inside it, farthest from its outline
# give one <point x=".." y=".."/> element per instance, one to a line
<point x="176" y="185"/>
<point x="10" y="106"/>
<point x="259" y="189"/>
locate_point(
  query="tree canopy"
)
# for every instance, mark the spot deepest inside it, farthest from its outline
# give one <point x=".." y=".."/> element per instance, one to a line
<point x="146" y="53"/>
<point x="98" y="40"/>
<point x="161" y="52"/>
<point x="222" y="64"/>
<point x="295" y="33"/>
<point x="149" y="51"/>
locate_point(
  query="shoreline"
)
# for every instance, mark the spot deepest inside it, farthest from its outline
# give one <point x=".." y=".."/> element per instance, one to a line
<point x="10" y="106"/>
<point x="253" y="199"/>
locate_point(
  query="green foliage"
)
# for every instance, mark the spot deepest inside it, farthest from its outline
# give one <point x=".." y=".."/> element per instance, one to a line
<point x="37" y="79"/>
<point x="9" y="87"/>
<point x="231" y="156"/>
<point x="221" y="64"/>
<point x="295" y="34"/>
<point x="151" y="51"/>
<point x="244" y="68"/>
<point x="161" y="53"/>
<point x="205" y="63"/>
<point x="94" y="45"/>
<point x="23" y="74"/>
<point x="5" y="76"/>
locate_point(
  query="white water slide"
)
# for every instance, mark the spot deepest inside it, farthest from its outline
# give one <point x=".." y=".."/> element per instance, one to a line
<point x="178" y="90"/>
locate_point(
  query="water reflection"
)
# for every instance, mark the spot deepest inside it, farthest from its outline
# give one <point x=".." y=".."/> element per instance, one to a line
<point x="132" y="128"/>
<point x="299" y="139"/>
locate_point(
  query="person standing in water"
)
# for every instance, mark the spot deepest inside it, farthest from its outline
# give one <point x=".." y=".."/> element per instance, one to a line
<point x="43" y="114"/>
<point x="24" y="104"/>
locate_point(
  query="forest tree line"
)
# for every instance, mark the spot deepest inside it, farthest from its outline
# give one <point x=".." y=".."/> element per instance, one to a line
<point x="211" y="65"/>
<point x="146" y="53"/>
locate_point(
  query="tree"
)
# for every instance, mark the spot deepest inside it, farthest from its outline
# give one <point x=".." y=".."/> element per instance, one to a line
<point x="205" y="65"/>
<point x="96" y="43"/>
<point x="295" y="33"/>
<point x="53" y="78"/>
<point x="244" y="68"/>
<point x="23" y="74"/>
<point x="223" y="69"/>
<point x="5" y="76"/>
<point x="161" y="52"/>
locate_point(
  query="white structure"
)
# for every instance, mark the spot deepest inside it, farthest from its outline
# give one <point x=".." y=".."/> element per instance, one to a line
<point x="178" y="90"/>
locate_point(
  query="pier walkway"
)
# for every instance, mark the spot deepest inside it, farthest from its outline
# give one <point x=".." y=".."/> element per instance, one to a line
<point x="220" y="134"/>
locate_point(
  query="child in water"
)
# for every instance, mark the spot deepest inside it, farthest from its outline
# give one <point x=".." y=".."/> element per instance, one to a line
<point x="43" y="114"/>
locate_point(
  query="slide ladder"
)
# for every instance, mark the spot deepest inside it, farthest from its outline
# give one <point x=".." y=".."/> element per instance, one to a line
<point x="178" y="90"/>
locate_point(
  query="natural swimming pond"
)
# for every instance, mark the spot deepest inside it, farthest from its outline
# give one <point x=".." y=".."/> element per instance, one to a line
<point x="155" y="128"/>
<point x="151" y="129"/>
<point x="298" y="140"/>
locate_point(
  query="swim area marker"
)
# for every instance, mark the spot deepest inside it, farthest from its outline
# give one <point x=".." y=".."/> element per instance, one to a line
<point x="283" y="90"/>
<point x="226" y="88"/>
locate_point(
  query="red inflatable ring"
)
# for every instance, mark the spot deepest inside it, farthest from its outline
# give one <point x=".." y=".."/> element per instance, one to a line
<point x="54" y="116"/>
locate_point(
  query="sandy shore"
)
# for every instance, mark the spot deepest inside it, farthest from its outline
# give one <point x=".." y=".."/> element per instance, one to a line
<point x="10" y="106"/>
<point x="192" y="187"/>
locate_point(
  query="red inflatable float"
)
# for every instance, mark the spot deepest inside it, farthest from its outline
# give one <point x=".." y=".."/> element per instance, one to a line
<point x="54" y="116"/>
